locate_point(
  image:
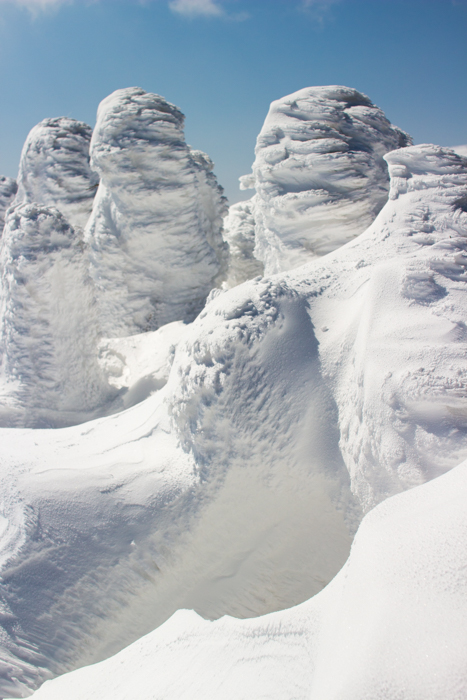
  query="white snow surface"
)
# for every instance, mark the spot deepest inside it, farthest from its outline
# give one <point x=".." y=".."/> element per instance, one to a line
<point x="319" y="173"/>
<point x="49" y="374"/>
<point x="8" y="188"/>
<point x="294" y="405"/>
<point x="239" y="232"/>
<point x="391" y="625"/>
<point x="154" y="234"/>
<point x="54" y="169"/>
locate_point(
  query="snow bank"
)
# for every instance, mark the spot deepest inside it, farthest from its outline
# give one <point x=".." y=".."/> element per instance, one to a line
<point x="392" y="624"/>
<point x="319" y="173"/>
<point x="48" y="335"/>
<point x="54" y="169"/>
<point x="294" y="405"/>
<point x="8" y="188"/>
<point x="155" y="230"/>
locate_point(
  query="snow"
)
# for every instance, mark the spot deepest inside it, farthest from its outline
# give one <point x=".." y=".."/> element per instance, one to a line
<point x="154" y="234"/>
<point x="319" y="173"/>
<point x="392" y="624"/>
<point x="224" y="445"/>
<point x="8" y="189"/>
<point x="54" y="169"/>
<point x="294" y="405"/>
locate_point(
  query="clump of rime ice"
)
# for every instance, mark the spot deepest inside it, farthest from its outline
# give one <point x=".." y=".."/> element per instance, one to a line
<point x="239" y="232"/>
<point x="8" y="188"/>
<point x="319" y="173"/>
<point x="155" y="230"/>
<point x="50" y="375"/>
<point x="54" y="169"/>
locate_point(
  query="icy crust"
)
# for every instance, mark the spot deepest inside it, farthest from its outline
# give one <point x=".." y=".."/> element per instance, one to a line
<point x="294" y="405"/>
<point x="54" y="169"/>
<point x="48" y="334"/>
<point x="155" y="230"/>
<point x="8" y="188"/>
<point x="239" y="232"/>
<point x="393" y="624"/>
<point x="319" y="173"/>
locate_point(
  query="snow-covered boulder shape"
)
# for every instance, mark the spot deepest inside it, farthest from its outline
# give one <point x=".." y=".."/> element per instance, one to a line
<point x="392" y="624"/>
<point x="54" y="169"/>
<point x="319" y="173"/>
<point x="293" y="406"/>
<point x="48" y="337"/>
<point x="155" y="230"/>
<point x="239" y="232"/>
<point x="8" y="188"/>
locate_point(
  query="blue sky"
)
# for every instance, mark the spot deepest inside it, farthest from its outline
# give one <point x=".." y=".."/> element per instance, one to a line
<point x="223" y="61"/>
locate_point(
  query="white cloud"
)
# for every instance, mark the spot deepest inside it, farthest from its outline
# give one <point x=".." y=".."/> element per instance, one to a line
<point x="196" y="8"/>
<point x="318" y="9"/>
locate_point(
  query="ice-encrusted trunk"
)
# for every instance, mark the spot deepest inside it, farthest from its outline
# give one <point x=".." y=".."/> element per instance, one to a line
<point x="54" y="169"/>
<point x="319" y="173"/>
<point x="155" y="231"/>
<point x="8" y="189"/>
<point x="50" y="376"/>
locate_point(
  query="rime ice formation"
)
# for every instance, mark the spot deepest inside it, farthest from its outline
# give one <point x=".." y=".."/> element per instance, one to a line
<point x="319" y="173"/>
<point x="461" y="150"/>
<point x="155" y="230"/>
<point x="49" y="372"/>
<point x="294" y="405"/>
<point x="392" y="624"/>
<point x="8" y="188"/>
<point x="239" y="232"/>
<point x="54" y="169"/>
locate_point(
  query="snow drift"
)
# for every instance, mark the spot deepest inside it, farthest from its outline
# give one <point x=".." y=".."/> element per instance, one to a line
<point x="319" y="173"/>
<point x="54" y="169"/>
<point x="294" y="405"/>
<point x="392" y="624"/>
<point x="155" y="231"/>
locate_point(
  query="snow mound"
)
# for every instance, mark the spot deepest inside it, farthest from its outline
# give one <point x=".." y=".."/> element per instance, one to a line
<point x="294" y="405"/>
<point x="54" y="169"/>
<point x="155" y="231"/>
<point x="319" y="173"/>
<point x="392" y="624"/>
<point x="239" y="232"/>
<point x="50" y="376"/>
<point x="8" y="189"/>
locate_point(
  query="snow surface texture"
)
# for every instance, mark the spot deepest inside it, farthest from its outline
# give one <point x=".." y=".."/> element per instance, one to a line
<point x="155" y="231"/>
<point x="294" y="405"/>
<point x="239" y="232"/>
<point x="8" y="188"/>
<point x="54" y="169"/>
<point x="392" y="625"/>
<point x="48" y="333"/>
<point x="319" y="173"/>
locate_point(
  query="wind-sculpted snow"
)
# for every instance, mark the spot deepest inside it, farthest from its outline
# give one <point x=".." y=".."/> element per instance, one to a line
<point x="392" y="624"/>
<point x="294" y="405"/>
<point x="8" y="188"/>
<point x="48" y="335"/>
<point x="155" y="230"/>
<point x="319" y="173"/>
<point x="54" y="169"/>
<point x="239" y="232"/>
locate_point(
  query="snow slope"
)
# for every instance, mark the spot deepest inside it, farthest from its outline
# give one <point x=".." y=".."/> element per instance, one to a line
<point x="54" y="169"/>
<point x="155" y="231"/>
<point x="319" y="173"/>
<point x="392" y="624"/>
<point x="8" y="188"/>
<point x="294" y="405"/>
